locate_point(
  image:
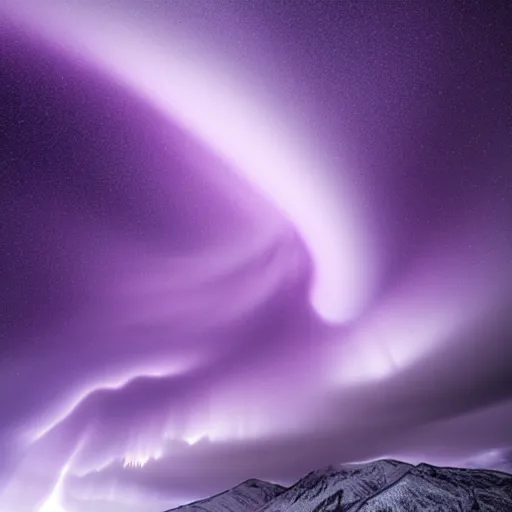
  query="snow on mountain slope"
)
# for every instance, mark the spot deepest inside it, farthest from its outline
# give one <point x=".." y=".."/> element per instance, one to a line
<point x="323" y="490"/>
<point x="249" y="495"/>
<point x="378" y="486"/>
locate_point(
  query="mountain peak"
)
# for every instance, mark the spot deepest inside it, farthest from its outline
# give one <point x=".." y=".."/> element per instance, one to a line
<point x="383" y="484"/>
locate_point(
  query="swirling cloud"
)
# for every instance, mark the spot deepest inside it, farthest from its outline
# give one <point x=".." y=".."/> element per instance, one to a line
<point x="247" y="241"/>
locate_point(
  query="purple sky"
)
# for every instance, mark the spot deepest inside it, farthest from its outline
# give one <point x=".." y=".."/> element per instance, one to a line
<point x="249" y="239"/>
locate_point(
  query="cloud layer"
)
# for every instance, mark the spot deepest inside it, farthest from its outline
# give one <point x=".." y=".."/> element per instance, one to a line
<point x="247" y="241"/>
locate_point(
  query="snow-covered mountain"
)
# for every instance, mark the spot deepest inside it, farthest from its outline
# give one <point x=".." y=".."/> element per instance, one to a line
<point x="379" y="486"/>
<point x="249" y="495"/>
<point x="337" y="487"/>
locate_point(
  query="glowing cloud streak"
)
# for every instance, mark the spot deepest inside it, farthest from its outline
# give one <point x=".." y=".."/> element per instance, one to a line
<point x="245" y="132"/>
<point x="113" y="383"/>
<point x="54" y="502"/>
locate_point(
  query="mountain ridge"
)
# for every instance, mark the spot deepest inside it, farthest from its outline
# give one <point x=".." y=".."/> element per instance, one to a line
<point x="242" y="492"/>
<point x="383" y="485"/>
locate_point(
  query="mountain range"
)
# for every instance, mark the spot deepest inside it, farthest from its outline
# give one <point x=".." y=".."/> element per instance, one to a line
<point x="378" y="486"/>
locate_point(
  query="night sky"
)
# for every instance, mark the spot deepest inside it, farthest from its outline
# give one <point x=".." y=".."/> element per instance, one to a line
<point x="248" y="239"/>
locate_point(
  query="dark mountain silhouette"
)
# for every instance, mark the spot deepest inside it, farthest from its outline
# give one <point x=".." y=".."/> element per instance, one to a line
<point x="379" y="486"/>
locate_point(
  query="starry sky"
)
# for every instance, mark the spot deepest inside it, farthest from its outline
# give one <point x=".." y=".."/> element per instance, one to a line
<point x="249" y="239"/>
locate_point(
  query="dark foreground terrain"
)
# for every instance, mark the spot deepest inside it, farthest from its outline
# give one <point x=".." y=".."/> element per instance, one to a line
<point x="379" y="486"/>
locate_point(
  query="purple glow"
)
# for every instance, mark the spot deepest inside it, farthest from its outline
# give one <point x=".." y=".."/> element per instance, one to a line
<point x="247" y="241"/>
